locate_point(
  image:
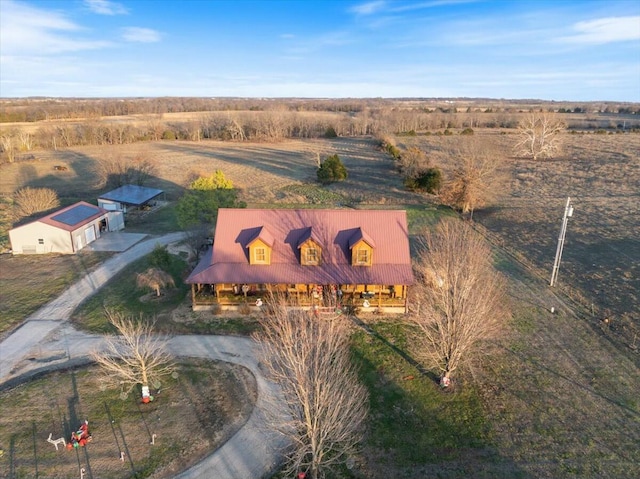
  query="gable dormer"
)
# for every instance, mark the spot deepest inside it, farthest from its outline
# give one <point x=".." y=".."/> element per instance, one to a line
<point x="361" y="246"/>
<point x="260" y="247"/>
<point x="310" y="249"/>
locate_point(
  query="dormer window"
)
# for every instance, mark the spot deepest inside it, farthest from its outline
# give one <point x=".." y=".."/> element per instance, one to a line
<point x="362" y="256"/>
<point x="312" y="255"/>
<point x="260" y="247"/>
<point x="310" y="249"/>
<point x="260" y="255"/>
<point x="361" y="246"/>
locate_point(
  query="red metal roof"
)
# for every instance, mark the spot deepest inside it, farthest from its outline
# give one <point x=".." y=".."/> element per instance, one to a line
<point x="228" y="262"/>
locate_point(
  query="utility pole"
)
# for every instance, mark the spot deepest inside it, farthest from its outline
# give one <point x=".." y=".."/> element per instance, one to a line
<point x="568" y="212"/>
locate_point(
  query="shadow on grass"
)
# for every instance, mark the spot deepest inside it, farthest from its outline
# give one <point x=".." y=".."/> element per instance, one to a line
<point x="415" y="428"/>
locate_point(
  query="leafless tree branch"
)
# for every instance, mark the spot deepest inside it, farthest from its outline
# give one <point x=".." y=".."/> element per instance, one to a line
<point x="136" y="356"/>
<point x="459" y="300"/>
<point x="309" y="358"/>
<point x="539" y="134"/>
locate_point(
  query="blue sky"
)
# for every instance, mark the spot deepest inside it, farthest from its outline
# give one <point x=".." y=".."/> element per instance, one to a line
<point x="550" y="50"/>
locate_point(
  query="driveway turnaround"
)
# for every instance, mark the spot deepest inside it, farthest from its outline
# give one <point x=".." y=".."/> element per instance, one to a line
<point x="46" y="340"/>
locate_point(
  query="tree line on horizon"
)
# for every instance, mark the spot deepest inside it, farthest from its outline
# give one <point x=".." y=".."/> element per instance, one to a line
<point x="281" y="124"/>
<point x="35" y="109"/>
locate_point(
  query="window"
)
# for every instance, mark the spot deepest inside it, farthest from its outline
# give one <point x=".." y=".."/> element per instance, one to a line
<point x="260" y="255"/>
<point x="40" y="240"/>
<point x="362" y="256"/>
<point x="312" y="256"/>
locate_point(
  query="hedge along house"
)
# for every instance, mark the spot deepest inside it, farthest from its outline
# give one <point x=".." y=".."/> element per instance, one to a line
<point x="64" y="231"/>
<point x="128" y="197"/>
<point x="312" y="257"/>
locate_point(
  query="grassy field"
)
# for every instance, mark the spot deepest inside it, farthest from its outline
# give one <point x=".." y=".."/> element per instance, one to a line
<point x="600" y="269"/>
<point x="192" y="415"/>
<point x="29" y="282"/>
<point x="558" y="395"/>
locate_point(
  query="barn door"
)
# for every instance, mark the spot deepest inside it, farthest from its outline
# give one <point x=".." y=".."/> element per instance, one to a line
<point x="90" y="234"/>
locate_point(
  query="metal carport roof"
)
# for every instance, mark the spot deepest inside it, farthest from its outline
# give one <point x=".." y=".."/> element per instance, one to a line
<point x="132" y="194"/>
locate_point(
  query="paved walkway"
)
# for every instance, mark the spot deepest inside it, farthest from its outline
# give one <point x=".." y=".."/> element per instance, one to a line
<point x="45" y="338"/>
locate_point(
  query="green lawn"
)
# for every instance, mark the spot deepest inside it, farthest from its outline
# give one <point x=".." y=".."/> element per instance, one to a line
<point x="122" y="294"/>
<point x="412" y="421"/>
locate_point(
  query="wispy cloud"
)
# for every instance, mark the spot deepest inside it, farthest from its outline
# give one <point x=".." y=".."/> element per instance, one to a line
<point x="426" y="5"/>
<point x="141" y="35"/>
<point x="378" y="6"/>
<point x="368" y="8"/>
<point x="30" y="30"/>
<point x="106" y="7"/>
<point x="605" y="30"/>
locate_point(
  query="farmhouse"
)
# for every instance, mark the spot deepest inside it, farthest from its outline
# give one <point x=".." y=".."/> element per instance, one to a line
<point x="312" y="257"/>
<point x="128" y="196"/>
<point x="64" y="231"/>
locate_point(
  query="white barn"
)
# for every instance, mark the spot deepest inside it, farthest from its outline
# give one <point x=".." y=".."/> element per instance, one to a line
<point x="64" y="231"/>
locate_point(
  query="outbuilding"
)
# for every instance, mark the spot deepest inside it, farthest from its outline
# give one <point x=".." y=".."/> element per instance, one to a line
<point x="129" y="196"/>
<point x="64" y="231"/>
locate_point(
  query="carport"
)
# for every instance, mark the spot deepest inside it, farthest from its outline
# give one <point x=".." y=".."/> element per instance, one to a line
<point x="129" y="196"/>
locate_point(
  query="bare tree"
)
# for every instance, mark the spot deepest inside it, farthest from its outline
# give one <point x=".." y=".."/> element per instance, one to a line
<point x="156" y="279"/>
<point x="412" y="161"/>
<point x="479" y="174"/>
<point x="29" y="201"/>
<point x="136" y="356"/>
<point x="26" y="140"/>
<point x="326" y="404"/>
<point x="155" y="125"/>
<point x="8" y="147"/>
<point x="539" y="135"/>
<point x="197" y="237"/>
<point x="235" y="130"/>
<point x="115" y="171"/>
<point x="459" y="299"/>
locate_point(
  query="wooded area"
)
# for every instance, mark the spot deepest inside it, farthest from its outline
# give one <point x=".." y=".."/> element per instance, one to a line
<point x="28" y="124"/>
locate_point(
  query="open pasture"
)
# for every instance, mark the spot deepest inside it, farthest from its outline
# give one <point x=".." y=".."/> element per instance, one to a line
<point x="600" y="266"/>
<point x="559" y="391"/>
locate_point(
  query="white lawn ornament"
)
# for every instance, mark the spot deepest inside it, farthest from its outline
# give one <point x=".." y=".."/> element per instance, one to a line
<point x="55" y="442"/>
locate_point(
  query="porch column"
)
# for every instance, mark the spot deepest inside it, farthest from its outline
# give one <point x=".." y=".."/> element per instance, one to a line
<point x="405" y="290"/>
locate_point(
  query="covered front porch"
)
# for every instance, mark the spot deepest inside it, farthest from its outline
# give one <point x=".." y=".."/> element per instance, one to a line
<point x="385" y="298"/>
